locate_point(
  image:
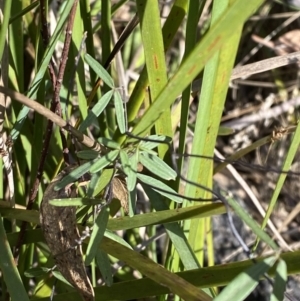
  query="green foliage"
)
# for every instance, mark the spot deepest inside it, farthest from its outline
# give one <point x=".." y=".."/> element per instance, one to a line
<point x="131" y="134"/>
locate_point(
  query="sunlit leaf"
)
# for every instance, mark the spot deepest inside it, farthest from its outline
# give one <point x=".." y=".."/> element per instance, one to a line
<point x="120" y="113"/>
<point x="75" y="202"/>
<point x="96" y="111"/>
<point x="160" y="187"/>
<point x="104" y="161"/>
<point x="157" y="166"/>
<point x="242" y="285"/>
<point x="129" y="166"/>
<point x="100" y="71"/>
<point x="280" y="280"/>
<point x="109" y="143"/>
<point x="151" y="144"/>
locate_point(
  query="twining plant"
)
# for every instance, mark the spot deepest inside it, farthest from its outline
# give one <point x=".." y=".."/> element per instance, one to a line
<point x="118" y="150"/>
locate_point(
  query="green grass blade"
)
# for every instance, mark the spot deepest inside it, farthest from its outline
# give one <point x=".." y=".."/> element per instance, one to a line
<point x="286" y="166"/>
<point x="8" y="269"/>
<point x="97" y="234"/>
<point x="243" y="284"/>
<point x="219" y="34"/>
<point x="103" y="263"/>
<point x="279" y="286"/>
<point x="42" y="69"/>
<point x="152" y="38"/>
<point x="251" y="223"/>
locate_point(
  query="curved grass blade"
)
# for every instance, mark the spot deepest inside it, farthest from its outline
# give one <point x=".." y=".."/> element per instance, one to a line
<point x="286" y="166"/>
<point x="219" y="33"/>
<point x="159" y="186"/>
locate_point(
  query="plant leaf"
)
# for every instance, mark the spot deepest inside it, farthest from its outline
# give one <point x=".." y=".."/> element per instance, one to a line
<point x="36" y="272"/>
<point x="103" y="264"/>
<point x="75" y="174"/>
<point x="104" y="161"/>
<point x="87" y="154"/>
<point x="96" y="110"/>
<point x="97" y="234"/>
<point x="75" y="202"/>
<point x="120" y="113"/>
<point x="100" y="71"/>
<point x="147" y="145"/>
<point x="280" y="281"/>
<point x="109" y="143"/>
<point x="157" y="166"/>
<point x="243" y="284"/>
<point x="159" y="186"/>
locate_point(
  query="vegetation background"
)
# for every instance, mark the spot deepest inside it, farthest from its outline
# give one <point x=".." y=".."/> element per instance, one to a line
<point x="181" y="76"/>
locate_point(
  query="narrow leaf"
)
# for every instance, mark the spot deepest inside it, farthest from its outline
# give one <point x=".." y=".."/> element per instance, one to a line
<point x="96" y="111"/>
<point x="9" y="270"/>
<point x="109" y="143"/>
<point x="151" y="144"/>
<point x="160" y="187"/>
<point x="93" y="184"/>
<point x="75" y="202"/>
<point x="131" y="179"/>
<point x="74" y="175"/>
<point x="280" y="281"/>
<point x="100" y="71"/>
<point x="157" y="166"/>
<point x="87" y="154"/>
<point x="104" y="161"/>
<point x="103" y="264"/>
<point x="251" y="223"/>
<point x="36" y="272"/>
<point x="242" y="285"/>
<point x="120" y="113"/>
<point x="103" y="181"/>
<point x="97" y="234"/>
